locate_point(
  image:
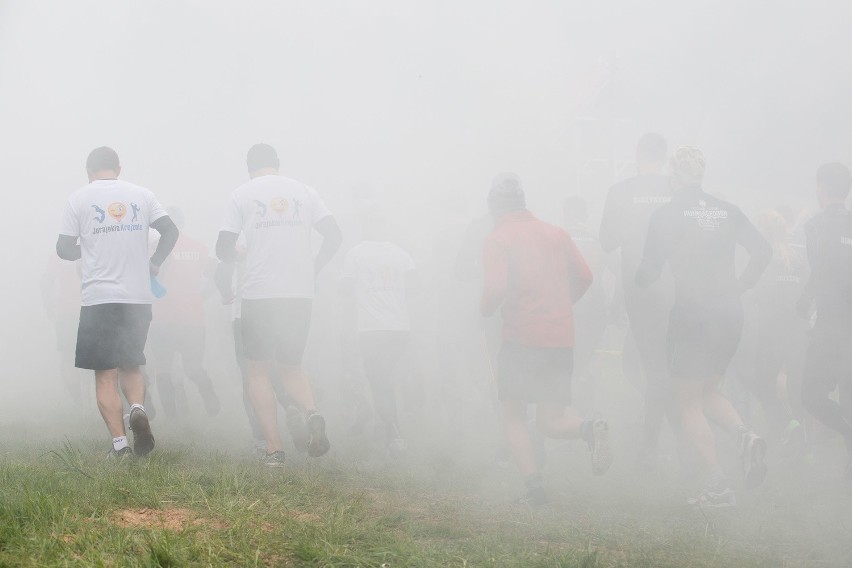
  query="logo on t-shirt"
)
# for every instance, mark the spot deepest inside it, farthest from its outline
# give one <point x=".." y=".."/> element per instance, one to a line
<point x="281" y="206"/>
<point x="708" y="218"/>
<point x="117" y="211"/>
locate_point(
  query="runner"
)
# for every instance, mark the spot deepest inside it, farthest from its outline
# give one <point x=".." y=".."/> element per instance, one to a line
<point x="829" y="358"/>
<point x="228" y="278"/>
<point x="278" y="288"/>
<point x="116" y="289"/>
<point x="177" y="327"/>
<point x="697" y="235"/>
<point x="533" y="273"/>
<point x="624" y="225"/>
<point x="380" y="277"/>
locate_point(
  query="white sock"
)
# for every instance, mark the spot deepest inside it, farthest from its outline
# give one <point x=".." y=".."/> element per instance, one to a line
<point x="139" y="406"/>
<point x="119" y="443"/>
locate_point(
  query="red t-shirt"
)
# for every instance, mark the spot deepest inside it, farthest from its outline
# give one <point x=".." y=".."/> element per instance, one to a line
<point x="535" y="271"/>
<point x="182" y="274"/>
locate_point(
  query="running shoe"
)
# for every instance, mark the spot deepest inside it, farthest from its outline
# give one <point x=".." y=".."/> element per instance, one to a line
<point x="298" y="429"/>
<point x="753" y="456"/>
<point x="125" y="452"/>
<point x="143" y="439"/>
<point x="275" y="459"/>
<point x="714" y="499"/>
<point x="318" y="444"/>
<point x="600" y="447"/>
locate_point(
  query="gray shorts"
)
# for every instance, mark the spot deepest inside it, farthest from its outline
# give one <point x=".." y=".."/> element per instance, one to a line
<point x="535" y="374"/>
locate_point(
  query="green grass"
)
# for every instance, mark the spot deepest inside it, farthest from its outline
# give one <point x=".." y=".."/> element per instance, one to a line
<point x="63" y="504"/>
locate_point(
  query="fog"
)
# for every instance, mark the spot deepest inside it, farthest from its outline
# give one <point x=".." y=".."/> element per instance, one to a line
<point x="421" y="102"/>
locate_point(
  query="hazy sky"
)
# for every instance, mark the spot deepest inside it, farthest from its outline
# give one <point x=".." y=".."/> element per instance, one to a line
<point x="416" y="99"/>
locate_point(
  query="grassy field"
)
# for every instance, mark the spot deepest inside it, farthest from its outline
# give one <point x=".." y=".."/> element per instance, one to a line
<point x="63" y="504"/>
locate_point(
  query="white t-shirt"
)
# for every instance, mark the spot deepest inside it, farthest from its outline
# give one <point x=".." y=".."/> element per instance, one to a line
<point x="111" y="218"/>
<point x="378" y="270"/>
<point x="277" y="215"/>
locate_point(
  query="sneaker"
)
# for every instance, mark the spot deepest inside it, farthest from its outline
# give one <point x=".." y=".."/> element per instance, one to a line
<point x="794" y="436"/>
<point x="753" y="456"/>
<point x="535" y="497"/>
<point x="258" y="449"/>
<point x="714" y="499"/>
<point x="275" y="459"/>
<point x="125" y="452"/>
<point x="298" y="429"/>
<point x="599" y="446"/>
<point x="143" y="440"/>
<point x="318" y="444"/>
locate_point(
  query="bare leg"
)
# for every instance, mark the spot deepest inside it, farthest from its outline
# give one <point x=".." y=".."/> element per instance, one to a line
<point x="109" y="401"/>
<point x="298" y="387"/>
<point x="132" y="385"/>
<point x="553" y="423"/>
<point x="518" y="437"/>
<point x="690" y="399"/>
<point x="718" y="408"/>
<point x="263" y="401"/>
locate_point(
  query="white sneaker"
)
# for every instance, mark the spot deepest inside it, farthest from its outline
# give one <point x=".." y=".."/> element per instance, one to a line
<point x="600" y="447"/>
<point x="714" y="499"/>
<point x="753" y="457"/>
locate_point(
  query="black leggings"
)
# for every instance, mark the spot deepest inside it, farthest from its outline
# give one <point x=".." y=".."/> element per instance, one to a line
<point x="380" y="352"/>
<point x="827" y="365"/>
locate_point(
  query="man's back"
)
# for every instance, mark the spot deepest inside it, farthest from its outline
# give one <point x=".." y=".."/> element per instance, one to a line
<point x="629" y="206"/>
<point x="698" y="234"/>
<point x="829" y="245"/>
<point x="537" y="272"/>
<point x="111" y="218"/>
<point x="276" y="214"/>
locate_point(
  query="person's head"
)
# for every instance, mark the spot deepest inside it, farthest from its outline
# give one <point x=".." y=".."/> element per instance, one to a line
<point x="574" y="210"/>
<point x="651" y="153"/>
<point x="262" y="159"/>
<point x="833" y="182"/>
<point x="506" y="195"/>
<point x="177" y="216"/>
<point x="103" y="163"/>
<point x="687" y="167"/>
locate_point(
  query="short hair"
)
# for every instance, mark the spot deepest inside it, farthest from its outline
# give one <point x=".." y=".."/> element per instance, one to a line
<point x="262" y="156"/>
<point x="103" y="158"/>
<point x="652" y="148"/>
<point x="506" y="194"/>
<point x="834" y="179"/>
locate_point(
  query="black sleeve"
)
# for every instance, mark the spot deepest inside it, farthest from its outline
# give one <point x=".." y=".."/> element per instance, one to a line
<point x="759" y="251"/>
<point x="332" y="238"/>
<point x="224" y="278"/>
<point x="226" y="244"/>
<point x="67" y="248"/>
<point x="168" y="237"/>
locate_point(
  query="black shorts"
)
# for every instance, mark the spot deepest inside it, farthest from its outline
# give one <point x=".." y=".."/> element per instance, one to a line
<point x="702" y="341"/>
<point x="535" y="374"/>
<point x="112" y="336"/>
<point x="276" y="329"/>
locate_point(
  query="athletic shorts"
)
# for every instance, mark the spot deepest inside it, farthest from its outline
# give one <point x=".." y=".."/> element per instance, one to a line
<point x="276" y="329"/>
<point x="112" y="336"/>
<point x="702" y="342"/>
<point x="535" y="374"/>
